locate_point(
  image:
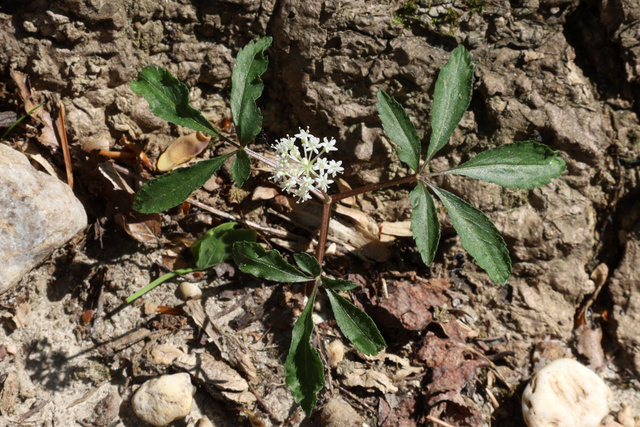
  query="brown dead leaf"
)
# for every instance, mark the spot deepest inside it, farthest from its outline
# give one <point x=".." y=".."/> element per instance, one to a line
<point x="20" y="316"/>
<point x="3" y="352"/>
<point x="264" y="193"/>
<point x="590" y="345"/>
<point x="355" y="374"/>
<point x="182" y="150"/>
<point x="409" y="304"/>
<point x="47" y="136"/>
<point x="144" y="228"/>
<point x="398" y="415"/>
<point x="344" y="186"/>
<point x="10" y="391"/>
<point x="450" y="369"/>
<point x="218" y="377"/>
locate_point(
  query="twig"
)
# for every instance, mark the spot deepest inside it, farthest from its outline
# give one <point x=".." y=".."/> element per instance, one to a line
<point x="64" y="143"/>
<point x="438" y="421"/>
<point x="233" y="307"/>
<point x="266" y="229"/>
<point x="32" y="411"/>
<point x="264" y="405"/>
<point x="86" y="396"/>
<point x="361" y="402"/>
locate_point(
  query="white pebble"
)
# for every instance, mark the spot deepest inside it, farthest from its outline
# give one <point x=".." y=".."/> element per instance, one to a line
<point x="565" y="393"/>
<point x="190" y="290"/>
<point x="162" y="400"/>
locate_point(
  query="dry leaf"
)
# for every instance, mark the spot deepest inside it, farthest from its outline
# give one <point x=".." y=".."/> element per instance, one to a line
<point x="108" y="171"/>
<point x="450" y="369"/>
<point x="264" y="193"/>
<point x="398" y="228"/>
<point x="47" y="136"/>
<point x="144" y="228"/>
<point x="356" y="375"/>
<point x="182" y="150"/>
<point x="408" y="305"/>
<point x="344" y="186"/>
<point x="20" y="316"/>
<point x="10" y="391"/>
<point x="590" y="345"/>
<point x="218" y="377"/>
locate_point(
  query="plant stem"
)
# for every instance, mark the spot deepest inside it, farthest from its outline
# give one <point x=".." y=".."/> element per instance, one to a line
<point x="159" y="281"/>
<point x="373" y="187"/>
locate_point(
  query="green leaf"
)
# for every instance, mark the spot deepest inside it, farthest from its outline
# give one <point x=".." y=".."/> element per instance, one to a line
<point x="303" y="370"/>
<point x="525" y="164"/>
<point x="308" y="263"/>
<point x="338" y="284"/>
<point x="241" y="168"/>
<point x="173" y="188"/>
<point x="398" y="126"/>
<point x="478" y="236"/>
<point x="450" y="99"/>
<point x="424" y="223"/>
<point x="253" y="259"/>
<point x="246" y="87"/>
<point x="356" y="325"/>
<point x="216" y="245"/>
<point x="168" y="99"/>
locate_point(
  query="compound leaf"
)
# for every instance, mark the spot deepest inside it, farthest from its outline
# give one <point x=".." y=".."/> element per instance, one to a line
<point x="303" y="370"/>
<point x="525" y="164"/>
<point x="478" y="236"/>
<point x="246" y="87"/>
<point x="216" y="245"/>
<point x="356" y="325"/>
<point x="450" y="99"/>
<point x="241" y="168"/>
<point x="400" y="129"/>
<point x="424" y="223"/>
<point x="173" y="188"/>
<point x="253" y="259"/>
<point x="307" y="263"/>
<point x="168" y="99"/>
<point x="338" y="284"/>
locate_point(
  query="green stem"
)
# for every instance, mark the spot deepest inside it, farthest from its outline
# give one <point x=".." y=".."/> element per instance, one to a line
<point x="159" y="281"/>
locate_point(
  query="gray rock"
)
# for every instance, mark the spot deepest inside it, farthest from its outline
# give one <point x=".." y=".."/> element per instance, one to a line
<point x="38" y="214"/>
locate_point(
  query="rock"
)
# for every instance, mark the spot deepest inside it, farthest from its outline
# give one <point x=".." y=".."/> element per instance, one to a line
<point x="38" y="214"/>
<point x="565" y="393"/>
<point x="162" y="400"/>
<point x="338" y="413"/>
<point x="204" y="422"/>
<point x="190" y="291"/>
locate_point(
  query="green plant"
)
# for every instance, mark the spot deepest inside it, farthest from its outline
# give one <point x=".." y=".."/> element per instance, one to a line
<point x="517" y="165"/>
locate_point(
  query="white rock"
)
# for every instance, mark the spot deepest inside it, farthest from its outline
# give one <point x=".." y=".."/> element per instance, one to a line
<point x="162" y="400"/>
<point x="38" y="214"/>
<point x="565" y="393"/>
<point x="190" y="291"/>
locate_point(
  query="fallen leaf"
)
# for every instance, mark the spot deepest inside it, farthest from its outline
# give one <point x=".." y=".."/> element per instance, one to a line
<point x="408" y="305"/>
<point x="398" y="414"/>
<point x="20" y="316"/>
<point x="590" y="345"/>
<point x="450" y="369"/>
<point x="264" y="193"/>
<point x="182" y="150"/>
<point x="48" y="135"/>
<point x="354" y="374"/>
<point x="10" y="391"/>
<point x="144" y="228"/>
<point x="220" y="380"/>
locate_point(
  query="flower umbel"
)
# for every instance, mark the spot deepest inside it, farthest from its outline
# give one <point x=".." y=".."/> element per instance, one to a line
<point x="298" y="172"/>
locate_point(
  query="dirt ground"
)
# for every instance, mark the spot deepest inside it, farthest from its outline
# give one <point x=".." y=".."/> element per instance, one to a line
<point x="564" y="73"/>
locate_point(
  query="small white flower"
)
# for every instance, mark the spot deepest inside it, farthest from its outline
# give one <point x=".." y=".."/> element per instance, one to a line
<point x="335" y="168"/>
<point x="300" y="174"/>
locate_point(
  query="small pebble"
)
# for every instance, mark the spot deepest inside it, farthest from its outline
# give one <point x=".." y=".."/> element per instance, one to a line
<point x="162" y="400"/>
<point x="190" y="291"/>
<point x="338" y="413"/>
<point x="565" y="393"/>
<point x="335" y="353"/>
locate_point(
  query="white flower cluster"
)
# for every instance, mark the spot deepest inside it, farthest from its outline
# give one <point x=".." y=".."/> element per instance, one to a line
<point x="298" y="174"/>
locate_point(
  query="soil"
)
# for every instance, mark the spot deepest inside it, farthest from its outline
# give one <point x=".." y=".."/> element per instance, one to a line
<point x="564" y="73"/>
